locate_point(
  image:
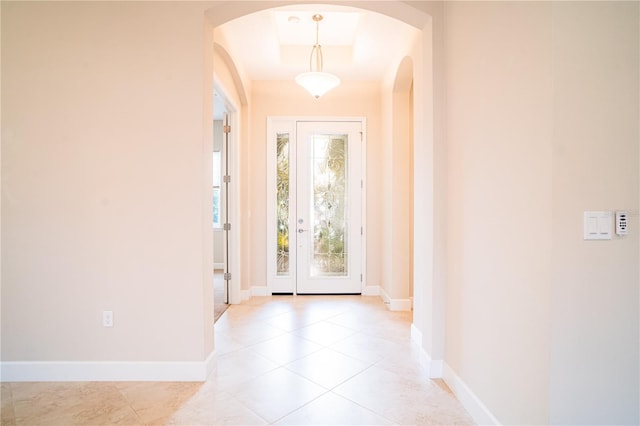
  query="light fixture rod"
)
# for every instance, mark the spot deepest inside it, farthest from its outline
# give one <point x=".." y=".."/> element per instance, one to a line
<point x="317" y="18"/>
<point x="317" y="49"/>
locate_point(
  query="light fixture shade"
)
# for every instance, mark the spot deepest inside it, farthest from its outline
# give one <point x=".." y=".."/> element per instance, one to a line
<point x="317" y="83"/>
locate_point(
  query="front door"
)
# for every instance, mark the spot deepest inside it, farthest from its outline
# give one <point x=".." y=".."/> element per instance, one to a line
<point x="315" y="220"/>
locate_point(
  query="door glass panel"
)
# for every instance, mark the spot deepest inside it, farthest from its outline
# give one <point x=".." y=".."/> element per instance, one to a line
<point x="329" y="209"/>
<point x="282" y="204"/>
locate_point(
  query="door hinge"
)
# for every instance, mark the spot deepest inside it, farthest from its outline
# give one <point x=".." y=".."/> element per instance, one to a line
<point x="361" y="183"/>
<point x="360" y="277"/>
<point x="226" y="129"/>
<point x="226" y="227"/>
<point x="227" y="276"/>
<point x="361" y="230"/>
<point x="226" y="179"/>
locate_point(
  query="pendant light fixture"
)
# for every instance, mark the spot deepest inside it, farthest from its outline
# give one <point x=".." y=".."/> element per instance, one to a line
<point x="316" y="81"/>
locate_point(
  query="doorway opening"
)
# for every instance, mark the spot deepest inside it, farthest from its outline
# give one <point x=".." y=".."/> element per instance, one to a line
<point x="220" y="290"/>
<point x="427" y="292"/>
<point x="223" y="202"/>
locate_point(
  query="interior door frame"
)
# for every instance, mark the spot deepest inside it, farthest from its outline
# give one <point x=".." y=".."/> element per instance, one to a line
<point x="290" y="123"/>
<point x="231" y="211"/>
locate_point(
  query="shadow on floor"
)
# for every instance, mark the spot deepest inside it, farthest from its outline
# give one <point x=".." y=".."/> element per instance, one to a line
<point x="218" y="294"/>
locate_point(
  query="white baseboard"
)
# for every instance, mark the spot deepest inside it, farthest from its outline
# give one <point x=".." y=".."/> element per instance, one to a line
<point x="435" y="365"/>
<point x="436" y="368"/>
<point x="259" y="291"/>
<point x="210" y="363"/>
<point x="254" y="291"/>
<point x="416" y="335"/>
<point x="480" y="413"/>
<point x="395" y="304"/>
<point x="245" y="295"/>
<point x="371" y="290"/>
<point x="96" y="371"/>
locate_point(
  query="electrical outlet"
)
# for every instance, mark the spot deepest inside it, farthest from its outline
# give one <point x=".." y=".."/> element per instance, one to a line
<point x="107" y="318"/>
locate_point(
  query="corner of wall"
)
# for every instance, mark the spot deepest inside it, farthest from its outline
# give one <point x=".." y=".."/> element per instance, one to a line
<point x="476" y="408"/>
<point x="395" y="304"/>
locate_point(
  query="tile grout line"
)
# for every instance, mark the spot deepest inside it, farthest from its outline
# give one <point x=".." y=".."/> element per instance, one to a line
<point x="248" y="408"/>
<point x="303" y="405"/>
<point x="13" y="407"/>
<point x="129" y="404"/>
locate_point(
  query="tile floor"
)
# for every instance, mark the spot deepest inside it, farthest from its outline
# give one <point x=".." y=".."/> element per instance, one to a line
<point x="280" y="360"/>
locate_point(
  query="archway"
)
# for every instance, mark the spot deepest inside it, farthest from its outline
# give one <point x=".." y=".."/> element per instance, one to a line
<point x="428" y="293"/>
<point x="229" y="85"/>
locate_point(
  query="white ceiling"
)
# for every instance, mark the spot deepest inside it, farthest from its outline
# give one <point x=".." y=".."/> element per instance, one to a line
<point x="357" y="44"/>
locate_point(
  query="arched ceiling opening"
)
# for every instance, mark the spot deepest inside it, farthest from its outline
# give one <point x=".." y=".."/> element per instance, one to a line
<point x="358" y="44"/>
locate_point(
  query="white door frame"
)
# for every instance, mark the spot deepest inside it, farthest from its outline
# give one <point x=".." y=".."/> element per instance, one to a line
<point x="288" y="123"/>
<point x="235" y="294"/>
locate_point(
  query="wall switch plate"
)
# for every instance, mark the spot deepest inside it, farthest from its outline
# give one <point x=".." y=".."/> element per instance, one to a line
<point x="107" y="318"/>
<point x="621" y="223"/>
<point x="598" y="225"/>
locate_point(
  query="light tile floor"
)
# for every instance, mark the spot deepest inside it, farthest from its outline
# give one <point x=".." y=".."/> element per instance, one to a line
<point x="280" y="360"/>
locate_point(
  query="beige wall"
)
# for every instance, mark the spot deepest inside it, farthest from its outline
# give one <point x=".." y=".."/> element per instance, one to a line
<point x="542" y="124"/>
<point x="429" y="157"/>
<point x="103" y="182"/>
<point x="499" y="147"/>
<point x="398" y="174"/>
<point x="286" y="98"/>
<point x="595" y="357"/>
